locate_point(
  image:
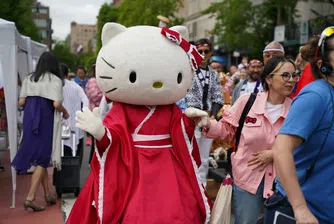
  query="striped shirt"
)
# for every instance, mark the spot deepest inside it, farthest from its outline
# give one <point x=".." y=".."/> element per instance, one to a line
<point x="74" y="97"/>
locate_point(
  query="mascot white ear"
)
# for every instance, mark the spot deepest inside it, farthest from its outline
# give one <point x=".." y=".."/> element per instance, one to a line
<point x="110" y="30"/>
<point x="181" y="30"/>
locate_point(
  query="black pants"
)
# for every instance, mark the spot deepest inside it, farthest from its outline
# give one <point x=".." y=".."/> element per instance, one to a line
<point x="277" y="202"/>
<point x="68" y="150"/>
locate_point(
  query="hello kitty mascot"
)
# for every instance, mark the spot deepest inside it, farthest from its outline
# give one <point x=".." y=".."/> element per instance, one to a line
<point x="145" y="166"/>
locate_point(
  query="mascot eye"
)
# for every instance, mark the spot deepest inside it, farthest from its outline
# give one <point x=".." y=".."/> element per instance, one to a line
<point x="179" y="78"/>
<point x="133" y="77"/>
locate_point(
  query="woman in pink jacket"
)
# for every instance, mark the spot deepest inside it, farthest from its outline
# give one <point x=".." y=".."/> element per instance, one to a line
<point x="252" y="166"/>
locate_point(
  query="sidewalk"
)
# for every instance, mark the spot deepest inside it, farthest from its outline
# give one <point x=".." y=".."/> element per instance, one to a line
<point x="52" y="214"/>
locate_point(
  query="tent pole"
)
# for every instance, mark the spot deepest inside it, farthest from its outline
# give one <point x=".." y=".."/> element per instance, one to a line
<point x="14" y="187"/>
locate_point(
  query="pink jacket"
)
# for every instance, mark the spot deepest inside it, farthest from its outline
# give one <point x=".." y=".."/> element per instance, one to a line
<point x="93" y="93"/>
<point x="257" y="135"/>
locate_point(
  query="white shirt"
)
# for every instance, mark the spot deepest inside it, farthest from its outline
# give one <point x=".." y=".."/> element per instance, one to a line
<point x="249" y="88"/>
<point x="73" y="97"/>
<point x="274" y="111"/>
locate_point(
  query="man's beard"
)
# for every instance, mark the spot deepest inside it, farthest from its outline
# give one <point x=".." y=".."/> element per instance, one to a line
<point x="254" y="76"/>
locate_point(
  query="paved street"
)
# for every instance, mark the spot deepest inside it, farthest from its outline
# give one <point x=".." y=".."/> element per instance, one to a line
<point x="52" y="215"/>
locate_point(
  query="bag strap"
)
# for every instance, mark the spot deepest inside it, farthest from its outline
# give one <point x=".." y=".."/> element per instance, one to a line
<point x="242" y="119"/>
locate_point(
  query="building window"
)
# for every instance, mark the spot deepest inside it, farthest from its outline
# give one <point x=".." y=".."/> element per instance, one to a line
<point x="44" y="34"/>
<point x="43" y="11"/>
<point x="41" y="22"/>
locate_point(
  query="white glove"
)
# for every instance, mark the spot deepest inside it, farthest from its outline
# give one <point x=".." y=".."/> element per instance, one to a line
<point x="197" y="113"/>
<point x="90" y="122"/>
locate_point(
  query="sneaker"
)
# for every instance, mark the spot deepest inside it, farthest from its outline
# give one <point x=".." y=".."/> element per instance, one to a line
<point x="88" y="141"/>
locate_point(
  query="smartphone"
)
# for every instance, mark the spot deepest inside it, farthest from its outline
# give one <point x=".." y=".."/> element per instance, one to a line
<point x="281" y="218"/>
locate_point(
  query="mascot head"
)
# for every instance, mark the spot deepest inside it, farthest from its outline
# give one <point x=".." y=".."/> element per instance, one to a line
<point x="145" y="65"/>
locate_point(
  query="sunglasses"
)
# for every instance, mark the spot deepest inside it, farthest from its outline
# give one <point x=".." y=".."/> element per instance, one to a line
<point x="206" y="51"/>
<point x="286" y="76"/>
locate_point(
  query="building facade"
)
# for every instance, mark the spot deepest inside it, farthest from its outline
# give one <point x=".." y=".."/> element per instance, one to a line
<point x="82" y="37"/>
<point x="41" y="16"/>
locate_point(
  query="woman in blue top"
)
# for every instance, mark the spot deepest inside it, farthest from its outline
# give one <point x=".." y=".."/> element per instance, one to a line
<point x="303" y="153"/>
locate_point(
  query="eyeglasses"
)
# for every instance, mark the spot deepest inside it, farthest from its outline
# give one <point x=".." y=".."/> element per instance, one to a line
<point x="206" y="51"/>
<point x="286" y="76"/>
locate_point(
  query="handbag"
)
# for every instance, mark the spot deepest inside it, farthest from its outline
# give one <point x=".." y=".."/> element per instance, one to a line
<point x="65" y="130"/>
<point x="242" y="119"/>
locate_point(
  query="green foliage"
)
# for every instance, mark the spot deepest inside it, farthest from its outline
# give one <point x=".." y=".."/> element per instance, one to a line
<point x="137" y="12"/>
<point x="246" y="27"/>
<point x="145" y="12"/>
<point x="107" y="13"/>
<point x="19" y="12"/>
<point x="63" y="53"/>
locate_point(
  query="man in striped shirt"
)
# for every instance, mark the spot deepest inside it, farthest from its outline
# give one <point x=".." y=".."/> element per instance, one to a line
<point x="74" y="98"/>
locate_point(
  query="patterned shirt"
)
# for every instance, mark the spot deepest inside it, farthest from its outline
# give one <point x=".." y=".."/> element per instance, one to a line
<point x="194" y="97"/>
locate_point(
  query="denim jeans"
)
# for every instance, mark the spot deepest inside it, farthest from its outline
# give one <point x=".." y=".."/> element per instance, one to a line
<point x="247" y="206"/>
<point x="276" y="203"/>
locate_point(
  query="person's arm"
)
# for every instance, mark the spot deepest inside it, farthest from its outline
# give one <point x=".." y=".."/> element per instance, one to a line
<point x="286" y="171"/>
<point x="225" y="129"/>
<point x="59" y="107"/>
<point x="303" y="119"/>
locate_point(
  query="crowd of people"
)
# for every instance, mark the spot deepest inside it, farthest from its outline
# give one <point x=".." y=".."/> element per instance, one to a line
<point x="283" y="161"/>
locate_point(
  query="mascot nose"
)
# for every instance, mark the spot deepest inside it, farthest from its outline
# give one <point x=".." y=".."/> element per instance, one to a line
<point x="157" y="85"/>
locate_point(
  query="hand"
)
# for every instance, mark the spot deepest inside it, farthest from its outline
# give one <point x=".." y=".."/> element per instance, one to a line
<point x="90" y="122"/>
<point x="66" y="115"/>
<point x="304" y="216"/>
<point x="260" y="159"/>
<point x="200" y="117"/>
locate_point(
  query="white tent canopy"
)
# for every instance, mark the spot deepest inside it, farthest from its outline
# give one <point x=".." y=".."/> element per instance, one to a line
<point x="17" y="54"/>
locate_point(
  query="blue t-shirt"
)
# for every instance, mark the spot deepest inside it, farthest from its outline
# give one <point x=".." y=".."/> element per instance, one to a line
<point x="310" y="118"/>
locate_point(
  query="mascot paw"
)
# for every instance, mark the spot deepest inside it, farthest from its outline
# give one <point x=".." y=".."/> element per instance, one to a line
<point x="195" y="113"/>
<point x="90" y="122"/>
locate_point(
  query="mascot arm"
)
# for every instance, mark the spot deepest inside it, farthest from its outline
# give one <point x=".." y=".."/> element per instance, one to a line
<point x="189" y="126"/>
<point x="104" y="142"/>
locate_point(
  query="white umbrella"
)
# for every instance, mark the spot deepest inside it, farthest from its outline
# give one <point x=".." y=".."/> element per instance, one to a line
<point x="221" y="212"/>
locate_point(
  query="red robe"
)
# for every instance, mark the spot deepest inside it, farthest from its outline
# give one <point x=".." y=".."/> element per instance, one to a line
<point x="144" y="180"/>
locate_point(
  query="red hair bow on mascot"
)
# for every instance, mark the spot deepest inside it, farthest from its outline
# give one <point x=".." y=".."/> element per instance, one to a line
<point x="145" y="165"/>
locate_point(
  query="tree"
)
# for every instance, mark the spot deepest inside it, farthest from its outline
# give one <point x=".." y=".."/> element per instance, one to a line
<point x="19" y="12"/>
<point x="137" y="12"/>
<point x="145" y="12"/>
<point x="246" y="27"/>
<point x="107" y="13"/>
<point x="63" y="53"/>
